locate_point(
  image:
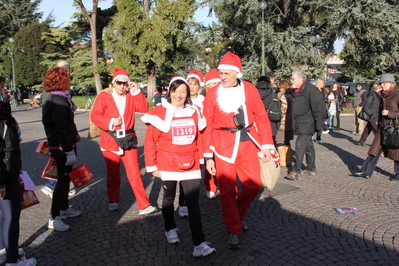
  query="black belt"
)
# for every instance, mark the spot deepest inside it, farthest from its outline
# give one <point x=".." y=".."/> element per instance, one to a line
<point x="113" y="133"/>
<point x="233" y="130"/>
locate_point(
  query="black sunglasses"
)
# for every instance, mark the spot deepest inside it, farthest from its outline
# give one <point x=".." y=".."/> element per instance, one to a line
<point x="121" y="83"/>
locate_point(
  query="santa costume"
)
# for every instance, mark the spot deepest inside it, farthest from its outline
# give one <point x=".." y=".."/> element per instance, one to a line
<point x="108" y="106"/>
<point x="235" y="150"/>
<point x="173" y="148"/>
<point x="200" y="77"/>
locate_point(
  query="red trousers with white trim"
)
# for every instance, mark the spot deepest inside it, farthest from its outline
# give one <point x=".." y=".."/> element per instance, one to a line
<point x="246" y="166"/>
<point x="131" y="163"/>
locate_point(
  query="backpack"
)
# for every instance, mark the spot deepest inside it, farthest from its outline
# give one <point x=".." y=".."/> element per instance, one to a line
<point x="274" y="109"/>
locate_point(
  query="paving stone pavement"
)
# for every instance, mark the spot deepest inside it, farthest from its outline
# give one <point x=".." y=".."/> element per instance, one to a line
<point x="295" y="228"/>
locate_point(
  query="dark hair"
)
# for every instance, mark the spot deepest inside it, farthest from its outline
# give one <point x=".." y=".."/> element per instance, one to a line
<point x="359" y="84"/>
<point x="173" y="86"/>
<point x="264" y="79"/>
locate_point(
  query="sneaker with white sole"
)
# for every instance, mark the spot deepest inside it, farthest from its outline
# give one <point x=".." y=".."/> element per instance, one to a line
<point x="47" y="191"/>
<point x="57" y="224"/>
<point x="210" y="195"/>
<point x="172" y="236"/>
<point x="203" y="250"/>
<point x="25" y="262"/>
<point x="113" y="206"/>
<point x="3" y="255"/>
<point x="72" y="192"/>
<point x="183" y="211"/>
<point x="148" y="210"/>
<point x="69" y="213"/>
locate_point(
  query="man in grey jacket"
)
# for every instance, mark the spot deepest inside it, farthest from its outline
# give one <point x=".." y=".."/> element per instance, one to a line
<point x="308" y="115"/>
<point x="358" y="97"/>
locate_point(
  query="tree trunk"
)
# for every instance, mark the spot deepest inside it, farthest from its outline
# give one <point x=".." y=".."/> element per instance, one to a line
<point x="151" y="81"/>
<point x="93" y="25"/>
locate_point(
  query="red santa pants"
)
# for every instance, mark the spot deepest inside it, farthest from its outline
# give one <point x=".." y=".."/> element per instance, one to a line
<point x="131" y="163"/>
<point x="246" y="166"/>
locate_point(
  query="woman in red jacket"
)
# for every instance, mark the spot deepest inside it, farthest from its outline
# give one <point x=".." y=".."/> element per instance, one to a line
<point x="114" y="113"/>
<point x="173" y="152"/>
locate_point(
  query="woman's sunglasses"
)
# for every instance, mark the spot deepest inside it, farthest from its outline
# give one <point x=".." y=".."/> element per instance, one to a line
<point x="121" y="83"/>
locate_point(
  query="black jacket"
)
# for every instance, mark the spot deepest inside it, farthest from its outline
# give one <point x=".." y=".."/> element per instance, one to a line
<point x="58" y="121"/>
<point x="373" y="106"/>
<point x="308" y="110"/>
<point x="10" y="153"/>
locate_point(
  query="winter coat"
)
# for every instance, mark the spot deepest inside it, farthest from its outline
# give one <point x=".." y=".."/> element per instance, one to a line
<point x="391" y="103"/>
<point x="285" y="97"/>
<point x="308" y="110"/>
<point x="373" y="106"/>
<point x="340" y="97"/>
<point x="358" y="97"/>
<point x="10" y="155"/>
<point x="58" y="122"/>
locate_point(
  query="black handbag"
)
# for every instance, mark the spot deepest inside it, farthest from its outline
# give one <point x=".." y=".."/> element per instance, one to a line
<point x="390" y="136"/>
<point x="126" y="142"/>
<point x="364" y="116"/>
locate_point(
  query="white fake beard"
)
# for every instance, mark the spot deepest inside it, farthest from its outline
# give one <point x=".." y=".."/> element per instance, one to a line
<point x="230" y="99"/>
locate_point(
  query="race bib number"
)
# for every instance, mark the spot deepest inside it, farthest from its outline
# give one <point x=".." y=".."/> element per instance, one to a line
<point x="183" y="131"/>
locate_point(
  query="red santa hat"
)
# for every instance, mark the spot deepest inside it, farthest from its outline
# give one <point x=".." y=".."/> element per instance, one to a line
<point x="212" y="76"/>
<point x="197" y="75"/>
<point x="120" y="73"/>
<point x="232" y="62"/>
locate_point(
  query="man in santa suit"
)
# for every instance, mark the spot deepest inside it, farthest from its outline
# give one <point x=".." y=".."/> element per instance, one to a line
<point x="114" y="113"/>
<point x="233" y="143"/>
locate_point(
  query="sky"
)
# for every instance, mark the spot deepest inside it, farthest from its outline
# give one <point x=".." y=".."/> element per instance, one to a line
<point x="63" y="10"/>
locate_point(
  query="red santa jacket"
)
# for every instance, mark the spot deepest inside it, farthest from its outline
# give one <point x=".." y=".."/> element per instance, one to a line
<point x="225" y="144"/>
<point x="105" y="109"/>
<point x="159" y="135"/>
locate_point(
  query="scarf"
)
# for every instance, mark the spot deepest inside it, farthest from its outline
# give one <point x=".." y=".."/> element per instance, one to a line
<point x="67" y="96"/>
<point x="386" y="93"/>
<point x="297" y="90"/>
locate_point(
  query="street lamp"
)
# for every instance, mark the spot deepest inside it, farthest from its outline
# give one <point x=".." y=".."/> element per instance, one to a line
<point x="262" y="6"/>
<point x="11" y="40"/>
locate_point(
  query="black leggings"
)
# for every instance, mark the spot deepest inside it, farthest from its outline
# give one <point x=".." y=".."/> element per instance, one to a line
<point x="10" y="209"/>
<point x="191" y="193"/>
<point x="60" y="194"/>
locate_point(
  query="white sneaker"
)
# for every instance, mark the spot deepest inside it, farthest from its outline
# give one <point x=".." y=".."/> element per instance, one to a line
<point x="320" y="142"/>
<point x="25" y="262"/>
<point x="210" y="195"/>
<point x="113" y="206"/>
<point x="183" y="211"/>
<point x="57" y="224"/>
<point x="325" y="131"/>
<point x="203" y="250"/>
<point x="3" y="255"/>
<point x="148" y="210"/>
<point x="72" y="192"/>
<point x="70" y="212"/>
<point x="172" y="236"/>
<point x="47" y="191"/>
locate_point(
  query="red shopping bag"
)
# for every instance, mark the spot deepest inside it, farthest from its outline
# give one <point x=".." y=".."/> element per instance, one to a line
<point x="28" y="197"/>
<point x="80" y="175"/>
<point x="50" y="170"/>
<point x="43" y="148"/>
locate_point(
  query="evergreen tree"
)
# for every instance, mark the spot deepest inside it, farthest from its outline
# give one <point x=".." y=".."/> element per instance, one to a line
<point x="15" y="14"/>
<point x="28" y="47"/>
<point x="140" y="42"/>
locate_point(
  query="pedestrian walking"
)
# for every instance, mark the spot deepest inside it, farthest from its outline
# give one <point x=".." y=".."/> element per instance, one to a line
<point x="173" y="153"/>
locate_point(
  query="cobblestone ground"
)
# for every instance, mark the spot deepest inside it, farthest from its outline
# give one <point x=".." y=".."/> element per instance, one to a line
<point x="299" y="227"/>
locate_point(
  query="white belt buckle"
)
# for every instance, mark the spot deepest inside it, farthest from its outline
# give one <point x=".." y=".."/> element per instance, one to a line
<point x="120" y="133"/>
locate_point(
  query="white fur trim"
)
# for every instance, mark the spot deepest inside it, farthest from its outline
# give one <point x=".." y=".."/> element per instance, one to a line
<point x="177" y="78"/>
<point x="233" y="157"/>
<point x="120" y="76"/>
<point x="201" y="161"/>
<point x="268" y="146"/>
<point x="230" y="99"/>
<point x="208" y="155"/>
<point x="230" y="67"/>
<point x="212" y="80"/>
<point x="136" y="92"/>
<point x="196" y="77"/>
<point x="178" y="176"/>
<point x="151" y="169"/>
